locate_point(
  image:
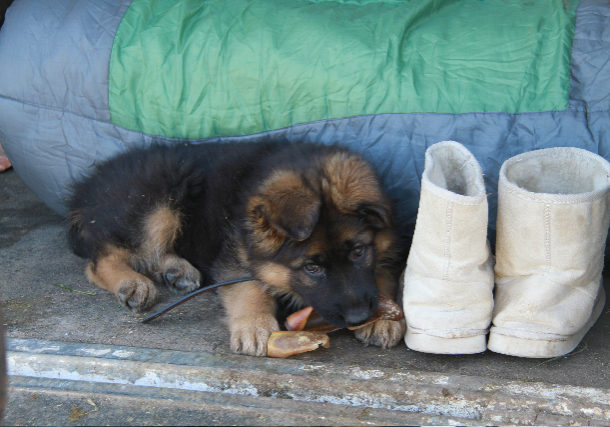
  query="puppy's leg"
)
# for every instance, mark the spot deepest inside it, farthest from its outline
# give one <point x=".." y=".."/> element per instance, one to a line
<point x="160" y="232"/>
<point x="113" y="272"/>
<point x="178" y="274"/>
<point x="383" y="333"/>
<point x="250" y="315"/>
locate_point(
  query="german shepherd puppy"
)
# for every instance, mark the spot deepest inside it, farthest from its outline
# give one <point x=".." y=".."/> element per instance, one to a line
<point x="307" y="222"/>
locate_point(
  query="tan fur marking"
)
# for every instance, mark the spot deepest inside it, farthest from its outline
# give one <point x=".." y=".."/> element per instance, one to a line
<point x="347" y="233"/>
<point x="284" y="206"/>
<point x="384" y="241"/>
<point x="386" y="283"/>
<point x="266" y="238"/>
<point x="280" y="180"/>
<point x="275" y="275"/>
<point x="350" y="181"/>
<point x="111" y="269"/>
<point x="250" y="315"/>
<point x="161" y="229"/>
<point x="114" y="273"/>
<point x="317" y="244"/>
<point x="245" y="299"/>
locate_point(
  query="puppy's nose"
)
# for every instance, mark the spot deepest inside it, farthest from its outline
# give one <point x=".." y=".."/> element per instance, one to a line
<point x="356" y="316"/>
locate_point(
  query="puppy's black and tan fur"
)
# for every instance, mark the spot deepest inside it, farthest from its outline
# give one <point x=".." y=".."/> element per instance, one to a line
<point x="308" y="222"/>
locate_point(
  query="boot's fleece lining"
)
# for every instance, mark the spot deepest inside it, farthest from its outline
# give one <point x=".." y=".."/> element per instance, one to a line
<point x="453" y="168"/>
<point x="558" y="172"/>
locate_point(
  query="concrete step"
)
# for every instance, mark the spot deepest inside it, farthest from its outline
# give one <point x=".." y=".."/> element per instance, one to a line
<point x="93" y="384"/>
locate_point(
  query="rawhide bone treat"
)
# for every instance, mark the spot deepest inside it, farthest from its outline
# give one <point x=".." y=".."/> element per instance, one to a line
<point x="288" y="343"/>
<point x="307" y="329"/>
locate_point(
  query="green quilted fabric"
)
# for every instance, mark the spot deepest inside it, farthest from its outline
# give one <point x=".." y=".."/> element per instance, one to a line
<point x="199" y="69"/>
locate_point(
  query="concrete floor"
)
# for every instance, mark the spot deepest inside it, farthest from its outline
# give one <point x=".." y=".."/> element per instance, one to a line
<point x="77" y="357"/>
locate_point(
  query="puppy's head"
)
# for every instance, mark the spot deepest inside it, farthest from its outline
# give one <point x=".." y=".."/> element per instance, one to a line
<point x="318" y="234"/>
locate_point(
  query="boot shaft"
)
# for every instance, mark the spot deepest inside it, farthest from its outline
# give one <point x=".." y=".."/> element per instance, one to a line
<point x="552" y="214"/>
<point x="451" y="226"/>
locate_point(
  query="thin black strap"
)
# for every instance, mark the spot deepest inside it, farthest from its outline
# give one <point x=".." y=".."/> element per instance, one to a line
<point x="194" y="294"/>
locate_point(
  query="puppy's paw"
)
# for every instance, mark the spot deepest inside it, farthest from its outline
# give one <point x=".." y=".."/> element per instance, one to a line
<point x="382" y="333"/>
<point x="180" y="276"/>
<point x="137" y="294"/>
<point x="249" y="335"/>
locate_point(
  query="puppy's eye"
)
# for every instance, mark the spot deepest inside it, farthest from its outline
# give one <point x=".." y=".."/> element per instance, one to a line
<point x="357" y="252"/>
<point x="313" y="269"/>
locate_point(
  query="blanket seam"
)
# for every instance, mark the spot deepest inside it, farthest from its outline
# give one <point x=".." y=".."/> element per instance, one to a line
<point x="58" y="109"/>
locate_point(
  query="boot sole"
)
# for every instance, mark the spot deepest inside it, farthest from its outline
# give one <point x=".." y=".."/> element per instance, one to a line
<point x="438" y="345"/>
<point x="541" y="348"/>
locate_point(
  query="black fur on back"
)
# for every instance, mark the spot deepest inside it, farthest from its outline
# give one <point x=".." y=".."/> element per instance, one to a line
<point x="207" y="183"/>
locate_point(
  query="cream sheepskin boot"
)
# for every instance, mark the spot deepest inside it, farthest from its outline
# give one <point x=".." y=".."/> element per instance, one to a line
<point x="448" y="280"/>
<point x="551" y="231"/>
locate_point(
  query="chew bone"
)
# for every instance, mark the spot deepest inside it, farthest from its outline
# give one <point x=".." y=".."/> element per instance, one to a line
<point x="284" y="344"/>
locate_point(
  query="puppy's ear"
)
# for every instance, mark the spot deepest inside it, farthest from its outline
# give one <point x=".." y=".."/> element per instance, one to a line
<point x="285" y="206"/>
<point x="352" y="186"/>
<point x="376" y="215"/>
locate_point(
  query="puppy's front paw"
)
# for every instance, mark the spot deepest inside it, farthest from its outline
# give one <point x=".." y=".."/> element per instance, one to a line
<point x="137" y="294"/>
<point x="382" y="333"/>
<point x="249" y="335"/>
<point x="180" y="276"/>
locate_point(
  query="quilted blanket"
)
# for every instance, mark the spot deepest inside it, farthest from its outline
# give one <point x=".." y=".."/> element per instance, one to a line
<point x="83" y="80"/>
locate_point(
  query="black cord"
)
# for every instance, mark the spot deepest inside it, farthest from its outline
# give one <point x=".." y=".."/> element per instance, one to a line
<point x="194" y="294"/>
